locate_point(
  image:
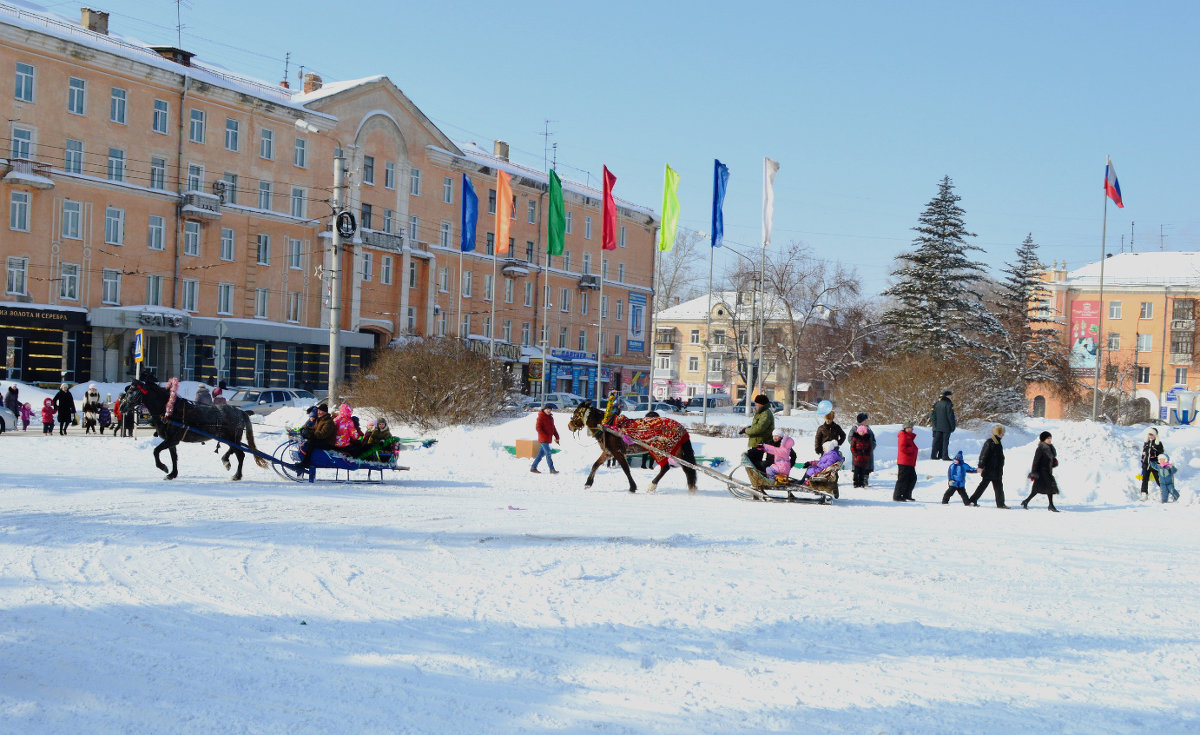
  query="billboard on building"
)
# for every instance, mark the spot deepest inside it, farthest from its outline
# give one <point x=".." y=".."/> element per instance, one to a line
<point x="1085" y="336"/>
<point x="635" y="340"/>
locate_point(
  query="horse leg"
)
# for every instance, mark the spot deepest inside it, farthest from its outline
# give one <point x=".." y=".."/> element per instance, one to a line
<point x="595" y="465"/>
<point x="241" y="457"/>
<point x="158" y="462"/>
<point x="654" y="483"/>
<point x="174" y="463"/>
<point x="620" y="456"/>
<point x="225" y="457"/>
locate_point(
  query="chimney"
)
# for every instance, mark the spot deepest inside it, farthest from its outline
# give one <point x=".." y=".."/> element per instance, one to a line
<point x="94" y="20"/>
<point x="500" y="150"/>
<point x="312" y="82"/>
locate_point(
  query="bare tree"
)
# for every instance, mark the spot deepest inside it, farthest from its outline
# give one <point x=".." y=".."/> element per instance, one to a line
<point x="675" y="275"/>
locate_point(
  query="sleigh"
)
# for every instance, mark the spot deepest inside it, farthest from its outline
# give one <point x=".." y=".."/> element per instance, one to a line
<point x="820" y="487"/>
<point x="377" y="460"/>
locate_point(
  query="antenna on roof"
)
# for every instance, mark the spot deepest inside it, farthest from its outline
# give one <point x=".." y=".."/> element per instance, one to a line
<point x="287" y="58"/>
<point x="546" y="134"/>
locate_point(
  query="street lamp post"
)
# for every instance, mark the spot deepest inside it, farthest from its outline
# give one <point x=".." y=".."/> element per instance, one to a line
<point x="756" y="279"/>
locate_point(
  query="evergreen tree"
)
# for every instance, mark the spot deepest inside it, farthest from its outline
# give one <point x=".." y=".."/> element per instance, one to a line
<point x="1033" y="344"/>
<point x="936" y="308"/>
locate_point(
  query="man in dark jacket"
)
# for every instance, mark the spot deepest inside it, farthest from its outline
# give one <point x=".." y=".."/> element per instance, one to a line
<point x="991" y="468"/>
<point x="941" y="418"/>
<point x="318" y="433"/>
<point x="761" y="427"/>
<point x="826" y="431"/>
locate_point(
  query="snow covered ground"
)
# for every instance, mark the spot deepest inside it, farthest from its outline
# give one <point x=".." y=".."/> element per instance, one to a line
<point x="469" y="595"/>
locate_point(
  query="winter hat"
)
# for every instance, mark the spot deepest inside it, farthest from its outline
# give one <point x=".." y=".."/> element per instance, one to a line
<point x="323" y="407"/>
<point x="958" y="457"/>
<point x="547" y="405"/>
<point x="63" y="386"/>
<point x="1151" y="431"/>
<point x="862" y="430"/>
<point x="998" y="431"/>
<point x="908" y="424"/>
<point x="860" y="418"/>
<point x="947" y="393"/>
<point x="777" y="432"/>
<point x="1043" y="436"/>
<point x="830" y="445"/>
<point x="762" y="400"/>
<point x="1163" y="459"/>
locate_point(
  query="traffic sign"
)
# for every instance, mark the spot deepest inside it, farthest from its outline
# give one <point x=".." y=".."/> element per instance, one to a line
<point x="346" y="225"/>
<point x="139" y="339"/>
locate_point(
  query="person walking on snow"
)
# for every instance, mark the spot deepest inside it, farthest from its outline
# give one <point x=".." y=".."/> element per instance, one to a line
<point x="860" y="454"/>
<point x="64" y="404"/>
<point x="956" y="474"/>
<point x="48" y="416"/>
<point x="906" y="463"/>
<point x="941" y="418"/>
<point x="26" y="416"/>
<point x="1166" y="478"/>
<point x="1150" y="451"/>
<point x="862" y="421"/>
<point x="1045" y="459"/>
<point x="991" y="468"/>
<point x="546" y="432"/>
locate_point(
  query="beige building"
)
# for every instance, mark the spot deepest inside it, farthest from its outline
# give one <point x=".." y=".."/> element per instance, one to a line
<point x="147" y="190"/>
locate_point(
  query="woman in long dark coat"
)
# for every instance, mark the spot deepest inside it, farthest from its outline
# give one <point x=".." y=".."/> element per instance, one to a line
<point x="1045" y="459"/>
<point x="64" y="405"/>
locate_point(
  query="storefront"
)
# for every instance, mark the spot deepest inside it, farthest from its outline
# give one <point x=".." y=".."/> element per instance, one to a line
<point x="45" y="344"/>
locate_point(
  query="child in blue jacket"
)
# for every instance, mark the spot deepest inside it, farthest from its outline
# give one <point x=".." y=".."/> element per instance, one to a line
<point x="1166" y="477"/>
<point x="957" y="476"/>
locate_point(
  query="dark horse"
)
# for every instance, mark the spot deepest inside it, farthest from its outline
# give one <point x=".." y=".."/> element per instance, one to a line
<point x="667" y="436"/>
<point x="222" y="421"/>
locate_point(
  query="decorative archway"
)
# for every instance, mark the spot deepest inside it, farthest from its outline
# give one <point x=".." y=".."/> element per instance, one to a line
<point x="1039" y="407"/>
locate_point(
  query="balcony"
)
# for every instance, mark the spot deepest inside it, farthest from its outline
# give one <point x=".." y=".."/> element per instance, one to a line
<point x="718" y="349"/>
<point x="589" y="280"/>
<point x="664" y="345"/>
<point x="381" y="240"/>
<point x="200" y="205"/>
<point x="515" y="267"/>
<point x="666" y="373"/>
<point x="1183" y="325"/>
<point x="24" y="172"/>
<point x="715" y="376"/>
<point x="1181" y="358"/>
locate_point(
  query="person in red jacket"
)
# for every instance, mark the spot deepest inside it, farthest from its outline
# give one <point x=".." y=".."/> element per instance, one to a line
<point x="906" y="464"/>
<point x="545" y="432"/>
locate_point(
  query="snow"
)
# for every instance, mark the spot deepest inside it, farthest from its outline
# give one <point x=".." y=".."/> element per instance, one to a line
<point x="1177" y="269"/>
<point x="468" y="595"/>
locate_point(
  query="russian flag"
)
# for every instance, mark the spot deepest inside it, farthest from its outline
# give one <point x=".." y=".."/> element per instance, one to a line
<point x="1111" y="186"/>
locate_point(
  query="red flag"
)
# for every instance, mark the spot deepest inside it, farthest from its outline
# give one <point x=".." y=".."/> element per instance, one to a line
<point x="608" y="215"/>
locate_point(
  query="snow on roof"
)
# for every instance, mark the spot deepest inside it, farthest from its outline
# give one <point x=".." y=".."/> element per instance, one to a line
<point x="332" y="88"/>
<point x="697" y="308"/>
<point x="36" y="18"/>
<point x="1141" y="269"/>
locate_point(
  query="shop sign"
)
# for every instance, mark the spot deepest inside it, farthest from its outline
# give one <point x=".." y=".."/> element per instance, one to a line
<point x="161" y="319"/>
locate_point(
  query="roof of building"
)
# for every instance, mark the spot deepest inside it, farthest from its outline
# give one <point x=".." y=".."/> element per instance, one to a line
<point x="332" y="88"/>
<point x="697" y="308"/>
<point x="1140" y="269"/>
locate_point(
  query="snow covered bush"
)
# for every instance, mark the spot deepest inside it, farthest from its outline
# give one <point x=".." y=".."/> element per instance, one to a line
<point x="904" y="387"/>
<point x="434" y="383"/>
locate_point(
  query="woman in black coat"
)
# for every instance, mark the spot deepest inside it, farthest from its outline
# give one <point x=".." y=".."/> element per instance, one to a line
<point x="64" y="405"/>
<point x="1045" y="459"/>
<point x="991" y="468"/>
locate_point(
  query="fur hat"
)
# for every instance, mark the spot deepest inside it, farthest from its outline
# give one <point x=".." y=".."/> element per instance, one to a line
<point x="63" y="386"/>
<point x="777" y="432"/>
<point x="830" y="445"/>
<point x="1152" y="430"/>
<point x="323" y="407"/>
<point x="762" y="400"/>
<point x="998" y="431"/>
<point x="947" y="393"/>
<point x="860" y="418"/>
<point x="862" y="430"/>
<point x="1043" y="436"/>
<point x="908" y="424"/>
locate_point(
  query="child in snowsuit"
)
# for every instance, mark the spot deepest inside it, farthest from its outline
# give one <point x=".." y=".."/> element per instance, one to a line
<point x="105" y="417"/>
<point x="906" y="463"/>
<point x="831" y="457"/>
<point x="957" y="475"/>
<point x="778" y="471"/>
<point x="1166" y="478"/>
<point x="348" y="434"/>
<point x="48" y="416"/>
<point x="26" y="416"/>
<point x="861" y="446"/>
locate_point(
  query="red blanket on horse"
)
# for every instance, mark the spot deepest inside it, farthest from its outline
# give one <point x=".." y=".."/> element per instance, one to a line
<point x="665" y="435"/>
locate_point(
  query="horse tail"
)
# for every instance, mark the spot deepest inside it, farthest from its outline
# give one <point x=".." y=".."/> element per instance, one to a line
<point x="687" y="454"/>
<point x="250" y="441"/>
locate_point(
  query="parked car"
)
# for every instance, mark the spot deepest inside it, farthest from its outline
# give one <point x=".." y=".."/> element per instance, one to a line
<point x="263" y="401"/>
<point x="563" y="400"/>
<point x="8" y="421"/>
<point x="644" y="403"/>
<point x="714" y="400"/>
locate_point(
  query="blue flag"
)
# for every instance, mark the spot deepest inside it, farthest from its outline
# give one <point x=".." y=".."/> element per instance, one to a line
<point x="470" y="215"/>
<point x="720" y="179"/>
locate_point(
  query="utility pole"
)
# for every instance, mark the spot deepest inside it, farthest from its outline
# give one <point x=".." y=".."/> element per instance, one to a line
<point x="335" y="275"/>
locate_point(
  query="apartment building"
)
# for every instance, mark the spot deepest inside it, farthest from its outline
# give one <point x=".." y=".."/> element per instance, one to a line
<point x="1137" y="342"/>
<point x="147" y="190"/>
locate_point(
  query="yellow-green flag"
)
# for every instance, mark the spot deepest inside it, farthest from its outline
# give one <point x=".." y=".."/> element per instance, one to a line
<point x="670" y="210"/>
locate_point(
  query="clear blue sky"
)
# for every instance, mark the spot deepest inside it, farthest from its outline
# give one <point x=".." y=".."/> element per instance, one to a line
<point x="866" y="105"/>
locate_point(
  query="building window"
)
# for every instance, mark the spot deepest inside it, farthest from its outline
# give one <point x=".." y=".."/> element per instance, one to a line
<point x="368" y="263"/>
<point x="622" y="235"/>
<point x="23" y="89"/>
<point x="1181" y="343"/>
<point x="226" y="243"/>
<point x="264" y="249"/>
<point x="570" y="221"/>
<point x="389" y="175"/>
<point x="191" y="294"/>
<point x="368" y="170"/>
<point x="154" y="290"/>
<point x="1145" y="342"/>
<point x="232" y="130"/>
<point x="664" y="362"/>
<point x="566" y="265"/>
<point x="448" y="190"/>
<point x="565" y="300"/>
<point x="718" y="337"/>
<point x="72" y="214"/>
<point x="444" y="235"/>
<point x="294" y="261"/>
<point x="621" y="272"/>
<point x="365" y="217"/>
<point x="225" y="298"/>
<point x="299" y="203"/>
<point x="110" y="286"/>
<point x="562" y="338"/>
<point x="1183" y="309"/>
<point x="693" y="364"/>
<point x="414" y="182"/>
<point x="617" y="343"/>
<point x="385" y="270"/>
<point x="1147" y="310"/>
<point x="22" y="143"/>
<point x="1114" y="341"/>
<point x="161" y="111"/>
<point x="583" y="303"/>
<point x="1114" y="310"/>
<point x="487" y="287"/>
<point x="620" y="309"/>
<point x="300" y="153"/>
<point x="196" y="126"/>
<point x="491" y="201"/>
<point x="604" y="268"/>
<point x="68" y="281"/>
<point x="412" y="273"/>
<point x="158" y="173"/>
<point x="490" y="247"/>
<point x="116" y="164"/>
<point x="528" y="249"/>
<point x="191" y="237"/>
<point x="414" y="226"/>
<point x="528" y="293"/>
<point x="444" y="279"/>
<point x="506" y="331"/>
<point x="231" y="187"/>
<point x="266" y="144"/>
<point x="1181" y="376"/>
<point x="532" y="211"/>
<point x="73" y="159"/>
<point x="18" y="211"/>
<point x="261" y="296"/>
<point x="465" y="287"/>
<point x="694" y="337"/>
<point x="583" y="340"/>
<point x="1142" y="372"/>
<point x="116" y="105"/>
<point x="17" y="276"/>
<point x="195" y="177"/>
<point x="587" y="228"/>
<point x="114" y="226"/>
<point x="389" y="221"/>
<point x="587" y="263"/>
<point x="604" y="306"/>
<point x="293" y="310"/>
<point x="154" y="232"/>
<point x="509" y="287"/>
<point x="264" y="195"/>
<point x="77" y="96"/>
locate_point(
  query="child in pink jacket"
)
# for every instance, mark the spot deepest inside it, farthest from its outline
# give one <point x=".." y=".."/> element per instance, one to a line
<point x="48" y="416"/>
<point x="347" y="432"/>
<point x="26" y="416"/>
<point x="779" y="469"/>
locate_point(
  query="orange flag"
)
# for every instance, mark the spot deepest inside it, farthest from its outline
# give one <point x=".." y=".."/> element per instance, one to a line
<point x="503" y="211"/>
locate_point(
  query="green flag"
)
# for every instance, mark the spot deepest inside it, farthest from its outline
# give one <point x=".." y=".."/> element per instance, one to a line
<point x="556" y="223"/>
<point x="670" y="210"/>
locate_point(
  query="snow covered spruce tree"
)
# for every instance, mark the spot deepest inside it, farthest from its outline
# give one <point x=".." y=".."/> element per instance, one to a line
<point x="937" y="308"/>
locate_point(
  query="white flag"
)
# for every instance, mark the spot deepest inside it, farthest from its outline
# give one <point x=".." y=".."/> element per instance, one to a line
<point x="770" y="168"/>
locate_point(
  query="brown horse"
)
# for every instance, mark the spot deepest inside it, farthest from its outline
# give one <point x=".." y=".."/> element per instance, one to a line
<point x="667" y="436"/>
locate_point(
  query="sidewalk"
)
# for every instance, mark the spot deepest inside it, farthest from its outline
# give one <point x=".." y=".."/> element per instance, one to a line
<point x="35" y="430"/>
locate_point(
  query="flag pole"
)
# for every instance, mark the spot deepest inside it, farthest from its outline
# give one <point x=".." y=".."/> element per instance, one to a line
<point x="600" y="330"/>
<point x="492" y="321"/>
<point x="653" y="306"/>
<point x="1100" y="327"/>
<point x="708" y="331"/>
<point x="458" y="326"/>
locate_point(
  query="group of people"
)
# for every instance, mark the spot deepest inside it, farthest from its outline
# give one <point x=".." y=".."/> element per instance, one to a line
<point x="764" y="440"/>
<point x="60" y="411"/>
<point x="342" y="433"/>
<point x="216" y="396"/>
<point x="1156" y="464"/>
